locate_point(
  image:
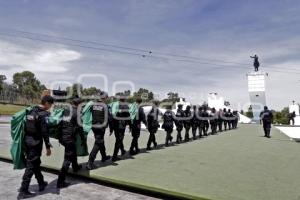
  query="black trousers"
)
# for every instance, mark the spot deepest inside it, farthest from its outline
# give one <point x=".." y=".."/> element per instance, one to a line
<point x="220" y="123"/>
<point x="202" y="130"/>
<point x="136" y="132"/>
<point x="69" y="158"/>
<point x="229" y="124"/>
<point x="33" y="163"/>
<point x="152" y="138"/>
<point x="179" y="130"/>
<point x="187" y="132"/>
<point x="194" y="130"/>
<point x="213" y="127"/>
<point x="99" y="144"/>
<point x="267" y="128"/>
<point x="119" y="134"/>
<point x="225" y="125"/>
<point x="169" y="137"/>
<point x="293" y="121"/>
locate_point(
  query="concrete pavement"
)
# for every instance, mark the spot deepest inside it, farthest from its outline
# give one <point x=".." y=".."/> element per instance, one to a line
<point x="10" y="182"/>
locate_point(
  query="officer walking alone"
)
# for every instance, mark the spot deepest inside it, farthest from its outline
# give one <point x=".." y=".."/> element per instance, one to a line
<point x="36" y="131"/>
<point x="267" y="117"/>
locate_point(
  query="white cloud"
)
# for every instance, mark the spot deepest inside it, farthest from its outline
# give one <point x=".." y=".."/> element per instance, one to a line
<point x="44" y="59"/>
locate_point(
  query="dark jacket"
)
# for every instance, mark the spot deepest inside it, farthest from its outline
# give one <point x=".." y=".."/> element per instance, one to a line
<point x="70" y="127"/>
<point x="152" y="119"/>
<point x="168" y="118"/>
<point x="266" y="116"/>
<point x="36" y="127"/>
<point x="141" y="117"/>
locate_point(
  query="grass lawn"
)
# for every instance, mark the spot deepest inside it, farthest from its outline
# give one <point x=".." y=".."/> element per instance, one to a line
<point x="9" y="109"/>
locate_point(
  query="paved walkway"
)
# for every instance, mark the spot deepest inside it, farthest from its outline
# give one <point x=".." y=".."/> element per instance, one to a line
<point x="10" y="181"/>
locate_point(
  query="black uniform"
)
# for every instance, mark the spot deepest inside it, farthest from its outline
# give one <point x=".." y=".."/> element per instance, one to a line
<point x="225" y="119"/>
<point x="136" y="130"/>
<point x="120" y="121"/>
<point x="220" y="120"/>
<point x="213" y="122"/>
<point x="195" y="122"/>
<point x="101" y="118"/>
<point x="36" y="131"/>
<point x="168" y="125"/>
<point x="291" y="117"/>
<point x="203" y="123"/>
<point x="267" y="118"/>
<point x="179" y="124"/>
<point x="230" y="119"/>
<point x="235" y="119"/>
<point x="153" y="125"/>
<point x="69" y="128"/>
<point x="187" y="123"/>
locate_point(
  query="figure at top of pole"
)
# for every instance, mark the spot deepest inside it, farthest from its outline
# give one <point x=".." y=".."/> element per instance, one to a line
<point x="256" y="62"/>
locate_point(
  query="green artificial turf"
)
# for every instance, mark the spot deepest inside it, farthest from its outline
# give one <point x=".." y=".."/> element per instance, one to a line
<point x="238" y="164"/>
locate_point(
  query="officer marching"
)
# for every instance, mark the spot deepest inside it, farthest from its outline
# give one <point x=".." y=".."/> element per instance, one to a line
<point x="101" y="120"/>
<point x="36" y="131"/>
<point x="69" y="128"/>
<point x="136" y="128"/>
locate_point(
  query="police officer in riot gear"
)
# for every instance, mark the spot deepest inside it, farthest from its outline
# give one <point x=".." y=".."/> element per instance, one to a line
<point x="291" y="117"/>
<point x="230" y="118"/>
<point x="206" y="122"/>
<point x="220" y="120"/>
<point x="187" y="122"/>
<point x="120" y="121"/>
<point x="225" y="118"/>
<point x="69" y="128"/>
<point x="203" y="121"/>
<point x="153" y="124"/>
<point x="168" y="124"/>
<point x="36" y="131"/>
<point x="266" y="117"/>
<point x="179" y="123"/>
<point x="213" y="121"/>
<point x="136" y="128"/>
<point x="235" y="119"/>
<point x="101" y="120"/>
<point x="195" y="122"/>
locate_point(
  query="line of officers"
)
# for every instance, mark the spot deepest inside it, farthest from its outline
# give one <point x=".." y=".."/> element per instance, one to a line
<point x="198" y="119"/>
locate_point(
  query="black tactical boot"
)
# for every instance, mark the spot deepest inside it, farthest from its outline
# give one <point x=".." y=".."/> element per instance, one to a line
<point x="25" y="195"/>
<point x="42" y="186"/>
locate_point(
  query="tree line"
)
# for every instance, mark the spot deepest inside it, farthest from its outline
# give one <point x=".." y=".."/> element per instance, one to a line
<point x="26" y="89"/>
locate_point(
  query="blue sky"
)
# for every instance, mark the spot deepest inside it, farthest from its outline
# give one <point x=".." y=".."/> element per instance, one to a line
<point x="223" y="30"/>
